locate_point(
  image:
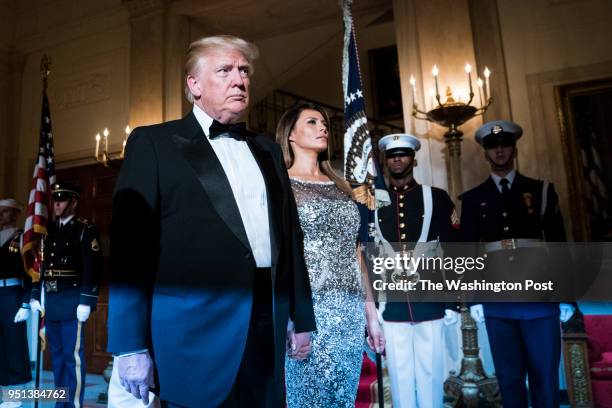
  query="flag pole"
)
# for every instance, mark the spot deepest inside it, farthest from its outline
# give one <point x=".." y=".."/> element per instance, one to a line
<point x="45" y="68"/>
<point x="39" y="349"/>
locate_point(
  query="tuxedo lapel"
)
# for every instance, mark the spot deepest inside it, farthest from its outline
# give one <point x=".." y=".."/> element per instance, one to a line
<point x="198" y="152"/>
<point x="273" y="192"/>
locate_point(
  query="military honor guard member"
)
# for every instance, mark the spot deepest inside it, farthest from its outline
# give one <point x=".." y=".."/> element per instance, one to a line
<point x="511" y="215"/>
<point x="70" y="282"/>
<point x="414" y="330"/>
<point x="15" y="287"/>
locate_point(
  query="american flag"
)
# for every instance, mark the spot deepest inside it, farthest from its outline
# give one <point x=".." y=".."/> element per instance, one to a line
<point x="359" y="167"/>
<point x="39" y="201"/>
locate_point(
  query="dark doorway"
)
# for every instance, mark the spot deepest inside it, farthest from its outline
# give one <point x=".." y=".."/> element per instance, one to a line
<point x="585" y="112"/>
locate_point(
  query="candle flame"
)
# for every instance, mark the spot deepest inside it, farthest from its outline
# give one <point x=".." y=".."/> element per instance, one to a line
<point x="487" y="73"/>
<point x="468" y="68"/>
<point x="435" y="71"/>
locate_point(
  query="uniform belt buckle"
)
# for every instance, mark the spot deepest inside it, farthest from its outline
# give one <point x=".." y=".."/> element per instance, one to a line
<point x="509" y="243"/>
<point x="51" y="286"/>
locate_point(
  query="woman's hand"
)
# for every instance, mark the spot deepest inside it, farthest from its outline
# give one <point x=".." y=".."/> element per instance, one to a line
<point x="376" y="338"/>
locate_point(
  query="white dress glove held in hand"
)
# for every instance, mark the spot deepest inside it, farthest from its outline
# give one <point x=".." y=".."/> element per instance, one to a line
<point x="566" y="312"/>
<point x="83" y="312"/>
<point x="22" y="315"/>
<point x="35" y="305"/>
<point x="477" y="313"/>
<point x="450" y="317"/>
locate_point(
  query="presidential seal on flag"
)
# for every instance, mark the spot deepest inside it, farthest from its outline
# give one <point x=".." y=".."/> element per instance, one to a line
<point x="359" y="167"/>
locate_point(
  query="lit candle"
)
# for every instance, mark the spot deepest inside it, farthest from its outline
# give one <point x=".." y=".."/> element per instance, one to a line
<point x="487" y="74"/>
<point x="432" y="95"/>
<point x="413" y="83"/>
<point x="435" y="71"/>
<point x="127" y="134"/>
<point x="97" y="145"/>
<point x="479" y="82"/>
<point x="105" y="133"/>
<point x="468" y="70"/>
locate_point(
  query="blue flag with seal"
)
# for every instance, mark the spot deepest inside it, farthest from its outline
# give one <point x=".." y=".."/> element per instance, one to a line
<point x="360" y="166"/>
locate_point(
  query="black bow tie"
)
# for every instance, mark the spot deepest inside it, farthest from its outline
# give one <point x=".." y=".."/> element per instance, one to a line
<point x="236" y="131"/>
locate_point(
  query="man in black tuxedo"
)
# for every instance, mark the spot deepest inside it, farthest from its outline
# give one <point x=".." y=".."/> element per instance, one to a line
<point x="206" y="251"/>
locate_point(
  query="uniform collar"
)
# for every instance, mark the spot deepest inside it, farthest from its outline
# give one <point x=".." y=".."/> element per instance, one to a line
<point x="66" y="220"/>
<point x="404" y="188"/>
<point x="510" y="177"/>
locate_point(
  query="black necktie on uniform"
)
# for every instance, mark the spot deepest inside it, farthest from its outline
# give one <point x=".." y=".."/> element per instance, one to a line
<point x="504" y="185"/>
<point x="235" y="130"/>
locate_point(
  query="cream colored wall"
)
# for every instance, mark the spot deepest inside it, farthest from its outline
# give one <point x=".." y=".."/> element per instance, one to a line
<point x="549" y="43"/>
<point x="88" y="43"/>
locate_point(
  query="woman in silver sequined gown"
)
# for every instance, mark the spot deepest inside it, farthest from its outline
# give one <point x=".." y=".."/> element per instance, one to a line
<point x="329" y="218"/>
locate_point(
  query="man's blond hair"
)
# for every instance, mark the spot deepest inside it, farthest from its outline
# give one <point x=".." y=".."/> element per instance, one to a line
<point x="199" y="48"/>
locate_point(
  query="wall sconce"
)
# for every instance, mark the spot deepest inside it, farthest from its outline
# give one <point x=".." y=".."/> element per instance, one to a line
<point x="107" y="158"/>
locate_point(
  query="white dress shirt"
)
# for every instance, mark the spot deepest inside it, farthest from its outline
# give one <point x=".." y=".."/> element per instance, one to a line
<point x="66" y="220"/>
<point x="510" y="177"/>
<point x="248" y="187"/>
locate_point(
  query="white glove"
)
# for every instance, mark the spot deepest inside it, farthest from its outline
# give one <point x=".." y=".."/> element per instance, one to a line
<point x="83" y="312"/>
<point x="450" y="317"/>
<point x="477" y="313"/>
<point x="22" y="315"/>
<point x="566" y="312"/>
<point x="35" y="306"/>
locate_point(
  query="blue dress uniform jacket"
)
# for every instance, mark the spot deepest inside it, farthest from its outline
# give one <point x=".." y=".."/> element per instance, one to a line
<point x="402" y="221"/>
<point x="524" y="337"/>
<point x="15" y="286"/>
<point x="488" y="217"/>
<point x="71" y="269"/>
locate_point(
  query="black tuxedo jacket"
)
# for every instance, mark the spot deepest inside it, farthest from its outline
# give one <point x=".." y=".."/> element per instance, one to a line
<point x="182" y="266"/>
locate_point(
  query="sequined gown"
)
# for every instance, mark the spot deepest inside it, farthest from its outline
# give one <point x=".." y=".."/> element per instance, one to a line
<point x="330" y="375"/>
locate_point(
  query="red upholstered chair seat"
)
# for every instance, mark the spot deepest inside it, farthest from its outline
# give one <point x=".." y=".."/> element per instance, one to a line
<point x="602" y="369"/>
<point x="599" y="330"/>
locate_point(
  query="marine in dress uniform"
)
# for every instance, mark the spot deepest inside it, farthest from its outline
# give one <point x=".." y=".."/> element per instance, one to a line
<point x="511" y="215"/>
<point x="414" y="330"/>
<point x="15" y="286"/>
<point x="71" y="283"/>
